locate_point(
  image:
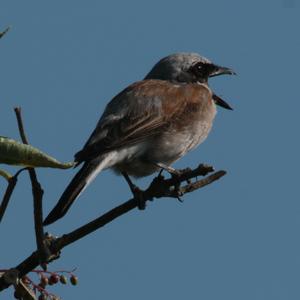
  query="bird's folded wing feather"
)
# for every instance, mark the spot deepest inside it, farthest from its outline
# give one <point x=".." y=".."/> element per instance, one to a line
<point x="138" y="112"/>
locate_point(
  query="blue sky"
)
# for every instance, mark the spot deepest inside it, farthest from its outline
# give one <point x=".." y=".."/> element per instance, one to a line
<point x="237" y="239"/>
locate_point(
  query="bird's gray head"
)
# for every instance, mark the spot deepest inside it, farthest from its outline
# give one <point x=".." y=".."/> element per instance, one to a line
<point x="186" y="67"/>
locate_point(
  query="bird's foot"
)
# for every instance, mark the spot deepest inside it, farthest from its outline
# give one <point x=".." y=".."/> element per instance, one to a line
<point x="177" y="191"/>
<point x="138" y="195"/>
<point x="175" y="174"/>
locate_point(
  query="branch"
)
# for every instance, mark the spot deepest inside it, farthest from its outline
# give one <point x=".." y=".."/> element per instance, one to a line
<point x="12" y="181"/>
<point x="159" y="188"/>
<point x="4" y="32"/>
<point x="37" y="193"/>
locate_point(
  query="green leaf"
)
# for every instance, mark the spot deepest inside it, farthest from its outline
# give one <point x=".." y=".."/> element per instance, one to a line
<point x="15" y="153"/>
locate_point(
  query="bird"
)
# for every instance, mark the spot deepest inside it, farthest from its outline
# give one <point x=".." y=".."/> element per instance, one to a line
<point x="149" y="125"/>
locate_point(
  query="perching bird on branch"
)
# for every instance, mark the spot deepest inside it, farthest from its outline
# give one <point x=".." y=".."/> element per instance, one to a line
<point x="149" y="125"/>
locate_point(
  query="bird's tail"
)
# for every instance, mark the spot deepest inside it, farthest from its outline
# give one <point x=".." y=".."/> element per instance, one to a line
<point x="81" y="180"/>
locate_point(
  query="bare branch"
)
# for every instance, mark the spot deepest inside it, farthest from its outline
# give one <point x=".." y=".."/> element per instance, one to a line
<point x="159" y="188"/>
<point x="12" y="181"/>
<point x="37" y="193"/>
<point x="4" y="32"/>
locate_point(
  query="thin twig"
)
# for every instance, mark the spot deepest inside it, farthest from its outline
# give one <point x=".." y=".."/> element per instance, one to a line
<point x="159" y="187"/>
<point x="12" y="181"/>
<point x="201" y="183"/>
<point x="4" y="32"/>
<point x="37" y="193"/>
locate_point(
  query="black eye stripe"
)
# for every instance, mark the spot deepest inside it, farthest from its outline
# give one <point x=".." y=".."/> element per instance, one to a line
<point x="199" y="69"/>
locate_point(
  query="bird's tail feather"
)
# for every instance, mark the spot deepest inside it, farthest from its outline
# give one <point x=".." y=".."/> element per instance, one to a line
<point x="81" y="180"/>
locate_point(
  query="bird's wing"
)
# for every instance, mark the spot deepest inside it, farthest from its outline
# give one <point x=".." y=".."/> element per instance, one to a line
<point x="138" y="112"/>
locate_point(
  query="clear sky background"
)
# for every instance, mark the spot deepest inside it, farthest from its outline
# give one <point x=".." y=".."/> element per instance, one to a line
<point x="236" y="239"/>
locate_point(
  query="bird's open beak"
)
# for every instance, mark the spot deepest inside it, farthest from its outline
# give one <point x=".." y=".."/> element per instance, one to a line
<point x="219" y="101"/>
<point x="218" y="70"/>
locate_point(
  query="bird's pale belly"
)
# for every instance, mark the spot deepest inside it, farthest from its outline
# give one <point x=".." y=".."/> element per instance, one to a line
<point x="166" y="148"/>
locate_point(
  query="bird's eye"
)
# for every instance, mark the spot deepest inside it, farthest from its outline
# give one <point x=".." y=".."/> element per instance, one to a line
<point x="198" y="69"/>
<point x="199" y="65"/>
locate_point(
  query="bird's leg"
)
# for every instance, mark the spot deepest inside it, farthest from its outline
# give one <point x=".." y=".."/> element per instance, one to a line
<point x="132" y="186"/>
<point x="137" y="192"/>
